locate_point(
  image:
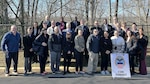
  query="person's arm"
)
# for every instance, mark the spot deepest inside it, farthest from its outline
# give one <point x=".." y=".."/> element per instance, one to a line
<point x="88" y="43"/>
<point x="50" y="43"/>
<point x="3" y="42"/>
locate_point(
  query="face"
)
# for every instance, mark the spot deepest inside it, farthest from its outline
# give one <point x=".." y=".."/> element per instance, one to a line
<point x="81" y="22"/>
<point x="56" y="30"/>
<point x="105" y="21"/>
<point x="106" y="34"/>
<point x="118" y="25"/>
<point x="140" y="31"/>
<point x="128" y="33"/>
<point x="95" y="32"/>
<point x="133" y="26"/>
<point x="53" y="23"/>
<point x="116" y="33"/>
<point x="96" y="23"/>
<point x="115" y="20"/>
<point x="68" y="35"/>
<point x="35" y="25"/>
<point x="44" y="25"/>
<point x="30" y="30"/>
<point x="13" y="29"/>
<point x="47" y="18"/>
<point x="80" y="32"/>
<point x="68" y="25"/>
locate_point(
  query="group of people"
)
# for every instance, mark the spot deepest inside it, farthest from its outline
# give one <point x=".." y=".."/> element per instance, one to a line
<point x="75" y="39"/>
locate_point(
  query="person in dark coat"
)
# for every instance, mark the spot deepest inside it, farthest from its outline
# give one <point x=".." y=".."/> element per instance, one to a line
<point x="41" y="41"/>
<point x="61" y="24"/>
<point x="142" y="43"/>
<point x="35" y="33"/>
<point x="131" y="46"/>
<point x="68" y="48"/>
<point x="28" y="51"/>
<point x="75" y="23"/>
<point x="106" y="27"/>
<point x="96" y="26"/>
<point x="46" y="21"/>
<point x="55" y="47"/>
<point x="106" y="48"/>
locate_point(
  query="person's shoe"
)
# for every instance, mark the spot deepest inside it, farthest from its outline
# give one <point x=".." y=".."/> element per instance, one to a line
<point x="89" y="73"/>
<point x="25" y="74"/>
<point x="107" y="72"/>
<point x="76" y="72"/>
<point x="6" y="75"/>
<point x="103" y="72"/>
<point x="68" y="71"/>
<point x="30" y="72"/>
<point x="43" y="74"/>
<point x="64" y="73"/>
<point x="58" y="72"/>
<point x="81" y="72"/>
<point x="15" y="73"/>
<point x="53" y="73"/>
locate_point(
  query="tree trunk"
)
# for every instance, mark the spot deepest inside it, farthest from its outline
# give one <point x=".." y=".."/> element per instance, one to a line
<point x="61" y="8"/>
<point x="110" y="11"/>
<point x="4" y="12"/>
<point x="32" y="13"/>
<point x="87" y="10"/>
<point x="116" y="10"/>
<point x="22" y="16"/>
<point x="92" y="6"/>
<point x="36" y="7"/>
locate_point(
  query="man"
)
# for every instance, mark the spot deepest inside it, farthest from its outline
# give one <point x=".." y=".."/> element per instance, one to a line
<point x="93" y="47"/>
<point x="107" y="27"/>
<point x="55" y="47"/>
<point x="75" y="23"/>
<point x="50" y="29"/>
<point x="11" y="42"/>
<point x="47" y="21"/>
<point x="96" y="26"/>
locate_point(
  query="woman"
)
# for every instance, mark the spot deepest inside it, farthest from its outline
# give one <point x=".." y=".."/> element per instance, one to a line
<point x="131" y="45"/>
<point x="28" y="51"/>
<point x="79" y="49"/>
<point x="41" y="40"/>
<point x="142" y="48"/>
<point x="68" y="46"/>
<point x="106" y="47"/>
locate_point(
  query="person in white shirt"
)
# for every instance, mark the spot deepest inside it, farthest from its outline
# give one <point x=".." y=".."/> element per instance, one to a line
<point x="50" y="30"/>
<point x="118" y="43"/>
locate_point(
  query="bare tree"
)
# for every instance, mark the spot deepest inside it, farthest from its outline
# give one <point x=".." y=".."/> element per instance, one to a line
<point x="116" y="8"/>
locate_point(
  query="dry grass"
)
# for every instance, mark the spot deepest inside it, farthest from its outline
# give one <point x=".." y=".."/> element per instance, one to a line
<point x="21" y="60"/>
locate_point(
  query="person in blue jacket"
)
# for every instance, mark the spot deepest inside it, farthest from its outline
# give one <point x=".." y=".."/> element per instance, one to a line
<point x="11" y="42"/>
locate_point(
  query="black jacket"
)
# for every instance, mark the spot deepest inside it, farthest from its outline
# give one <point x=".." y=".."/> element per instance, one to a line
<point x="55" y="43"/>
<point x="27" y="43"/>
<point x="106" y="44"/>
<point x="68" y="45"/>
<point x="43" y="50"/>
<point x="110" y="29"/>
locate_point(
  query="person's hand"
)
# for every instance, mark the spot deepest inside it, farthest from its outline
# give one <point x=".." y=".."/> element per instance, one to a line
<point x="69" y="52"/>
<point x="107" y="52"/>
<point x="44" y="44"/>
<point x="82" y="49"/>
<point x="31" y="50"/>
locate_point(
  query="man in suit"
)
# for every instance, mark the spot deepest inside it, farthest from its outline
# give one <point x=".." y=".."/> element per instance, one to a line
<point x="106" y="27"/>
<point x="47" y="21"/>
